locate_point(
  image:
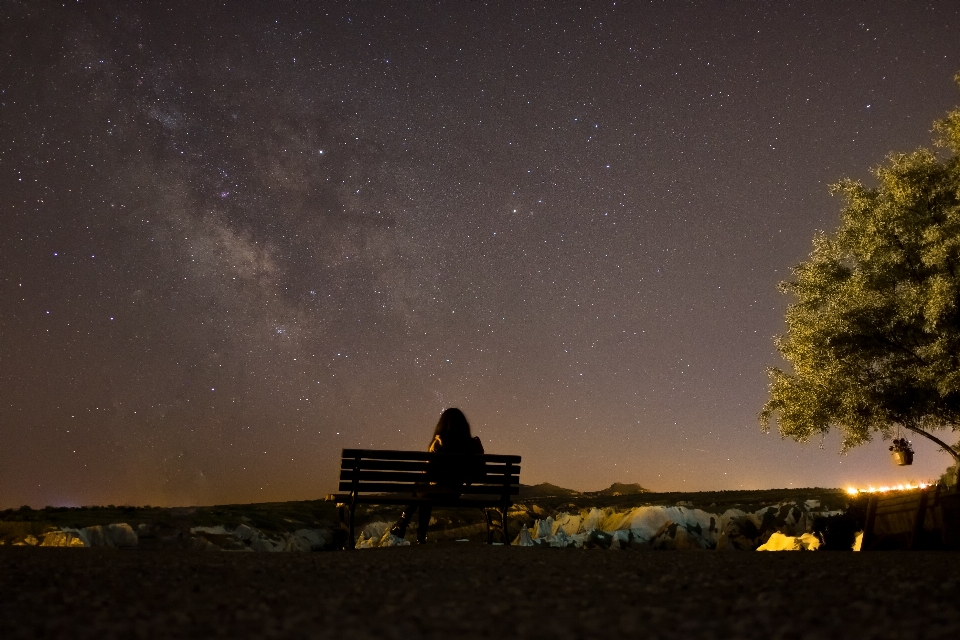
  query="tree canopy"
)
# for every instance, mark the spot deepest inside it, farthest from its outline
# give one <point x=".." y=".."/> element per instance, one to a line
<point x="873" y="332"/>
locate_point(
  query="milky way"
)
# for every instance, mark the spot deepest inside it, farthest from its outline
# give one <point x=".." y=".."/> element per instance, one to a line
<point x="238" y="239"/>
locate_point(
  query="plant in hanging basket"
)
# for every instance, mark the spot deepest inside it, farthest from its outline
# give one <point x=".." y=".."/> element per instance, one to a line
<point x="902" y="452"/>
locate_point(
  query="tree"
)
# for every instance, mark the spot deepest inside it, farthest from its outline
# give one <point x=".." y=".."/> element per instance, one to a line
<point x="873" y="332"/>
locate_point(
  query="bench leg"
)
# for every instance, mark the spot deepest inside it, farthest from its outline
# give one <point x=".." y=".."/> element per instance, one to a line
<point x="490" y="525"/>
<point x="495" y="529"/>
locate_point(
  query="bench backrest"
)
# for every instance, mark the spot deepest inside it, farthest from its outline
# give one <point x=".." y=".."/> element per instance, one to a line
<point x="408" y="472"/>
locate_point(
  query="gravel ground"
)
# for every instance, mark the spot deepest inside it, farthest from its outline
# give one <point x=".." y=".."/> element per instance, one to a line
<point x="470" y="590"/>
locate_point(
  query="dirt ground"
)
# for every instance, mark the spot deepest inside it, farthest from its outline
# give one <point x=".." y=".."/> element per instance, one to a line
<point x="468" y="590"/>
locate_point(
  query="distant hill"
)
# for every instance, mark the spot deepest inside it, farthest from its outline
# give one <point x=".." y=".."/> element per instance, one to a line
<point x="619" y="489"/>
<point x="545" y="490"/>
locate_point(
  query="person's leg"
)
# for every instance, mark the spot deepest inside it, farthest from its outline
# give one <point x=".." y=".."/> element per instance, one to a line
<point x="400" y="528"/>
<point x="424" y="522"/>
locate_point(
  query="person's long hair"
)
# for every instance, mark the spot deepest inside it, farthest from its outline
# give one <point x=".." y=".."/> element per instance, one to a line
<point x="452" y="427"/>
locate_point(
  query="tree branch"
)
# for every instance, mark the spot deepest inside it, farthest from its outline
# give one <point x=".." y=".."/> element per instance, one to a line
<point x="929" y="436"/>
<point x="893" y="343"/>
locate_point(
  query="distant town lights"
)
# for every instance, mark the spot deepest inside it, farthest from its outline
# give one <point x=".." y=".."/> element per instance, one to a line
<point x="900" y="487"/>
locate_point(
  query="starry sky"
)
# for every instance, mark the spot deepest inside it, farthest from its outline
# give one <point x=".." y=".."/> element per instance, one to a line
<point x="238" y="237"/>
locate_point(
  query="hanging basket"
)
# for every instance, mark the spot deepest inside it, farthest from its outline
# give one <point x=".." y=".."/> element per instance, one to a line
<point x="903" y="458"/>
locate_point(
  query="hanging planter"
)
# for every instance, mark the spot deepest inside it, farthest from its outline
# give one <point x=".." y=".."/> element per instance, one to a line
<point x="902" y="452"/>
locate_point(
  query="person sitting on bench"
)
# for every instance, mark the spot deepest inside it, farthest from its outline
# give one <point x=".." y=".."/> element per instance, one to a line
<point x="452" y="435"/>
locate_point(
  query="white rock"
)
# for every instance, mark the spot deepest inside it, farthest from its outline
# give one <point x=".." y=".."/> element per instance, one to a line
<point x="93" y="536"/>
<point x="111" y="535"/>
<point x="559" y="539"/>
<point x="315" y="539"/>
<point x="375" y="529"/>
<point x="543" y="528"/>
<point x="217" y="530"/>
<point x="523" y="539"/>
<point x="245" y="533"/>
<point x="264" y="544"/>
<point x="121" y="535"/>
<point x="202" y="544"/>
<point x="295" y="543"/>
<point x="619" y="540"/>
<point x="390" y="540"/>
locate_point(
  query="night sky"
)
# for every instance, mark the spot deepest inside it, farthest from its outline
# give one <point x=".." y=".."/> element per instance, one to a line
<point x="237" y="238"/>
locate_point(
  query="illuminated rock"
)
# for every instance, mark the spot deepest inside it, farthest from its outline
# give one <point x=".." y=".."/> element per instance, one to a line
<point x="61" y="539"/>
<point x="568" y="523"/>
<point x="780" y="542"/>
<point x="674" y="527"/>
<point x="377" y="534"/>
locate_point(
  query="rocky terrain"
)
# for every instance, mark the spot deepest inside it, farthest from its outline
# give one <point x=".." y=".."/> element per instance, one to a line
<point x="738" y="521"/>
<point x="622" y="517"/>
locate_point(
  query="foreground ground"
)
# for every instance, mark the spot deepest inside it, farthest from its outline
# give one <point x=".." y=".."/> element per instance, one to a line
<point x="469" y="590"/>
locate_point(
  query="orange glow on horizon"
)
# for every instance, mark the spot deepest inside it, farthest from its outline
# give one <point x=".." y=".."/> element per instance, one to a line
<point x="883" y="489"/>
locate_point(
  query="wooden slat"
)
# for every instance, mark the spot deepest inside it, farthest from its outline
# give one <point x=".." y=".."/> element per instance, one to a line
<point x="386" y="465"/>
<point x="388" y="487"/>
<point x="388" y="454"/>
<point x="889" y="511"/>
<point x="417" y="476"/>
<point x="489" y="491"/>
<point x="401" y="465"/>
<point x="410" y="488"/>
<point x="492" y="501"/>
<point x="897" y="507"/>
<point x="904" y="498"/>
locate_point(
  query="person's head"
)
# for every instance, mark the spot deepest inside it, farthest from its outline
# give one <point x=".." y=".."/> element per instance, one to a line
<point x="453" y="425"/>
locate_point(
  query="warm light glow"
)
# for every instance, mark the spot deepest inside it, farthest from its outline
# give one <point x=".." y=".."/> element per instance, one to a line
<point x="900" y="487"/>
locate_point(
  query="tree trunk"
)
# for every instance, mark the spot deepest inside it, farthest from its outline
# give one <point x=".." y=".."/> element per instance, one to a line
<point x="943" y="445"/>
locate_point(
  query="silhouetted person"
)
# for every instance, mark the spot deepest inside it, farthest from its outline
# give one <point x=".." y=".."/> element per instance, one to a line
<point x="452" y="435"/>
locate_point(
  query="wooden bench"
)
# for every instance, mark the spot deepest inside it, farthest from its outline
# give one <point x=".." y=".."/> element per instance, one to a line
<point x="405" y="478"/>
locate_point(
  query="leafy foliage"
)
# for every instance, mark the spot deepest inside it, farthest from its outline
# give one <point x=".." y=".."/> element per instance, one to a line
<point x="949" y="477"/>
<point x="873" y="335"/>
